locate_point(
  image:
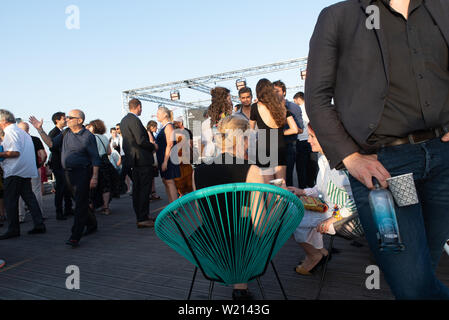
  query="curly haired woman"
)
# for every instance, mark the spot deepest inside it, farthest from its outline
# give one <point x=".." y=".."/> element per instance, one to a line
<point x="220" y="108"/>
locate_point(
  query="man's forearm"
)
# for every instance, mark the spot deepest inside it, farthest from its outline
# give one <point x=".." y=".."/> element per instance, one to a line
<point x="47" y="140"/>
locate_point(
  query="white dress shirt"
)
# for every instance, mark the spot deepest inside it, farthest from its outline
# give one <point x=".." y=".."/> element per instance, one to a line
<point x="23" y="166"/>
<point x="305" y="135"/>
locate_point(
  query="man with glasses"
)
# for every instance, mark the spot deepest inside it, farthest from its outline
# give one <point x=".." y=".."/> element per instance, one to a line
<point x="81" y="163"/>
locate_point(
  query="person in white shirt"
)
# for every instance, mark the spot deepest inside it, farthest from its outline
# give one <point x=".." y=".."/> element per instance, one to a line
<point x="35" y="182"/>
<point x="334" y="189"/>
<point x="220" y="108"/>
<point x="126" y="173"/>
<point x="19" y="166"/>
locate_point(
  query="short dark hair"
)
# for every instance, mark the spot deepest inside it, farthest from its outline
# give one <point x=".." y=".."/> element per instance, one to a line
<point x="299" y="95"/>
<point x="134" y="104"/>
<point x="117" y="125"/>
<point x="57" y="116"/>
<point x="281" y="85"/>
<point x="98" y="126"/>
<point x="246" y="90"/>
<point x="113" y="129"/>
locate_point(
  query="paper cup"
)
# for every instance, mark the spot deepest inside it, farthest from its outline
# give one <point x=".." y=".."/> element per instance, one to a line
<point x="403" y="189"/>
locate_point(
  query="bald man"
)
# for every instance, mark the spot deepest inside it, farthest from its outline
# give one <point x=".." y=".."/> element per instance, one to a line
<point x="36" y="184"/>
<point x="81" y="162"/>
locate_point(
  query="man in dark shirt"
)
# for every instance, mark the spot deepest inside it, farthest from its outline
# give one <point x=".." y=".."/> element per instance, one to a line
<point x="62" y="192"/>
<point x="81" y="163"/>
<point x="390" y="116"/>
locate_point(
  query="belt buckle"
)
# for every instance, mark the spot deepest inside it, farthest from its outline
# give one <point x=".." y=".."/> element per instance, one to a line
<point x="411" y="139"/>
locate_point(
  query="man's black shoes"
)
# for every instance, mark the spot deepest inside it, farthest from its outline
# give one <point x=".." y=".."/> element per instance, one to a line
<point x="39" y="230"/>
<point x="9" y="235"/>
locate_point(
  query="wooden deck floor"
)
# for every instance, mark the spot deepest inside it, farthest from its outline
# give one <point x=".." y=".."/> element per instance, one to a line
<point x="122" y="262"/>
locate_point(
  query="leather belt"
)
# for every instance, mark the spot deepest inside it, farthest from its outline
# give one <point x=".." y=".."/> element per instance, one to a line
<point x="419" y="137"/>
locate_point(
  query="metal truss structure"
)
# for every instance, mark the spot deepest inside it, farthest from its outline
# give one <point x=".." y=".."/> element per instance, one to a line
<point x="149" y="94"/>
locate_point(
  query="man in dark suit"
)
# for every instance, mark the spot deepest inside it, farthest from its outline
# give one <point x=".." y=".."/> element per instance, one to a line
<point x="386" y="65"/>
<point x="62" y="192"/>
<point x="139" y="154"/>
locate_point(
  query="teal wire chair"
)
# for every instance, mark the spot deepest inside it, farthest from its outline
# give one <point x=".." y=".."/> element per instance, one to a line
<point x="231" y="232"/>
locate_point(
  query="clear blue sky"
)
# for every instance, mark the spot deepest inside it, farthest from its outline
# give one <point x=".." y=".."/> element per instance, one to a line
<point x="129" y="44"/>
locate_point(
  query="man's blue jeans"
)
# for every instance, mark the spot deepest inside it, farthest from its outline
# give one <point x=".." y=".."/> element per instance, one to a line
<point x="424" y="228"/>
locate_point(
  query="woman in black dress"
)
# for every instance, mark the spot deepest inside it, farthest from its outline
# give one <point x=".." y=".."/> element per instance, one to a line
<point x="271" y="116"/>
<point x="165" y="141"/>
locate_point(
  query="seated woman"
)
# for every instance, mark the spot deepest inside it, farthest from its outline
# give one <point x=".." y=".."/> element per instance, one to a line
<point x="229" y="167"/>
<point x="333" y="188"/>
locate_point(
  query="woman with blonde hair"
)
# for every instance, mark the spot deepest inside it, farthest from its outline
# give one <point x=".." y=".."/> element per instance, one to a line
<point x="270" y="116"/>
<point x="165" y="141"/>
<point x="229" y="167"/>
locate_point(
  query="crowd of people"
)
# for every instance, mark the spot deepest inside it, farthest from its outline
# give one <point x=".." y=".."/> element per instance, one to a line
<point x="90" y="169"/>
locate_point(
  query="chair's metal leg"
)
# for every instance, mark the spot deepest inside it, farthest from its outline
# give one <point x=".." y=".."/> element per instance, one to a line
<point x="261" y="288"/>
<point x="324" y="271"/>
<point x="193" y="281"/>
<point x="211" y="289"/>
<point x="279" y="280"/>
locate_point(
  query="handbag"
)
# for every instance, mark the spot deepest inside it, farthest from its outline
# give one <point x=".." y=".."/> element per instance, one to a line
<point x="314" y="204"/>
<point x="104" y="158"/>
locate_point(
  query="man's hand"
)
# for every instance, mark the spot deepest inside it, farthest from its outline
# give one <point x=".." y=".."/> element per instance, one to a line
<point x="93" y="182"/>
<point x="365" y="167"/>
<point x="445" y="138"/>
<point x="36" y="123"/>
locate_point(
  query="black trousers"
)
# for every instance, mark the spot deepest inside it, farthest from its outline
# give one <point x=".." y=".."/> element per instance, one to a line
<point x="14" y="188"/>
<point x="78" y="182"/>
<point x="305" y="167"/>
<point x="142" y="183"/>
<point x="291" y="160"/>
<point x="62" y="193"/>
<point x="126" y="170"/>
